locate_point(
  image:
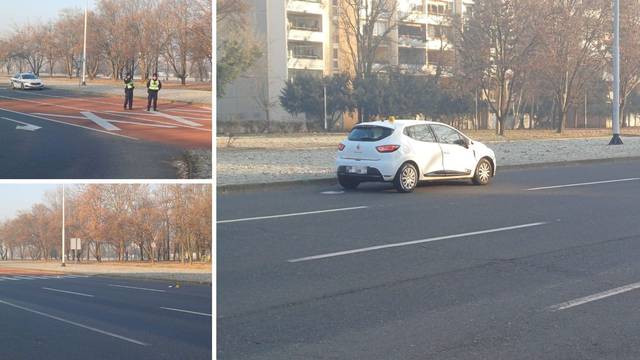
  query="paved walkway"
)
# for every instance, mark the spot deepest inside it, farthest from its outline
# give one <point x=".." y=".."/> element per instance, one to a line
<point x="236" y="166"/>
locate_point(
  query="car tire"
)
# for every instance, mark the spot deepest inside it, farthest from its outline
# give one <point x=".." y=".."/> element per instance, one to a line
<point x="347" y="183"/>
<point x="406" y="178"/>
<point x="484" y="171"/>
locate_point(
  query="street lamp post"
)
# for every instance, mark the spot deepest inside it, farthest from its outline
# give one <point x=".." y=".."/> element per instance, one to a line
<point x="615" y="120"/>
<point x="324" y="94"/>
<point x="84" y="49"/>
<point x="63" y="249"/>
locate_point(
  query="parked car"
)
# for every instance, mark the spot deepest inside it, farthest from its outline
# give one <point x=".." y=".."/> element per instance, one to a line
<point x="406" y="152"/>
<point x="26" y="81"/>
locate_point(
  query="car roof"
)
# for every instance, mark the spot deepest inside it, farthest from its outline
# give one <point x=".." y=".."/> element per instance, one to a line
<point x="398" y="123"/>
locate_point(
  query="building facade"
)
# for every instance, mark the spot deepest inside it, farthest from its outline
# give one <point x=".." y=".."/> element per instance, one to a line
<point x="307" y="36"/>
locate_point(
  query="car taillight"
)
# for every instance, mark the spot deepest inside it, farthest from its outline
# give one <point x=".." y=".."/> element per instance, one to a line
<point x="387" y="148"/>
<point x="340" y="147"/>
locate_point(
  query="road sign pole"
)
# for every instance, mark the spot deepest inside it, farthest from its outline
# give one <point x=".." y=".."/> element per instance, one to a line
<point x="84" y="50"/>
<point x="615" y="120"/>
<point x="63" y="250"/>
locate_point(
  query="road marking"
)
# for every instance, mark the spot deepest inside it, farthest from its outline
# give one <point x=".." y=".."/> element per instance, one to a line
<point x="24" y="277"/>
<point x="292" y="214"/>
<point x="156" y="113"/>
<point x="8" y="278"/>
<point x="74" y="323"/>
<point x="186" y="311"/>
<point x="601" y="295"/>
<point x="103" y="123"/>
<point x="407" y="243"/>
<point x="68" y="292"/>
<point x="137" y="288"/>
<point x="25" y="126"/>
<point x="66" y="123"/>
<point x="583" y="184"/>
<point x="332" y="192"/>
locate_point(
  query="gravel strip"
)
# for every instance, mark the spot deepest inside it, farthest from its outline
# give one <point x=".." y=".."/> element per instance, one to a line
<point x="250" y="166"/>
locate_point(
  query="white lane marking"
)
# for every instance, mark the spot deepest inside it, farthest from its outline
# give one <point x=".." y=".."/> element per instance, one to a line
<point x="185" y="311"/>
<point x="137" y="342"/>
<point x="103" y="123"/>
<point x="23" y="125"/>
<point x="8" y="278"/>
<point x="137" y="288"/>
<point x="332" y="192"/>
<point x="68" y="292"/>
<point x="292" y="214"/>
<point x="601" y="295"/>
<point x="583" y="184"/>
<point x="24" y="277"/>
<point x="190" y="110"/>
<point x="172" y="117"/>
<point x="407" y="243"/>
<point x="66" y="123"/>
<point x="137" y="122"/>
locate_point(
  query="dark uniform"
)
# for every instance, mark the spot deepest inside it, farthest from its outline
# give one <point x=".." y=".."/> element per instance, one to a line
<point x="153" y="86"/>
<point x="128" y="92"/>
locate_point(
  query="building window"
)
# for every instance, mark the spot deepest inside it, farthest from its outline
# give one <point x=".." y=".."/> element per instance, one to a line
<point x="305" y="22"/>
<point x="439" y="9"/>
<point x="305" y="51"/>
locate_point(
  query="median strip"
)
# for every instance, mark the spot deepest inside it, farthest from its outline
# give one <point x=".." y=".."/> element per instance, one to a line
<point x="582" y="184"/>
<point x="124" y="338"/>
<point x="292" y="214"/>
<point x="414" y="242"/>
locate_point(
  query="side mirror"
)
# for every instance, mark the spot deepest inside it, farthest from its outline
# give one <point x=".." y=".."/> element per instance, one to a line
<point x="462" y="143"/>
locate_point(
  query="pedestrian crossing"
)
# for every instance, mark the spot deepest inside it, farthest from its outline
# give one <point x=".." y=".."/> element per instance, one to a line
<point x="38" y="277"/>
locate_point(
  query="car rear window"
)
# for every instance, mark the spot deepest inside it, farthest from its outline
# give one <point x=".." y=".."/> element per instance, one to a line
<point x="369" y="133"/>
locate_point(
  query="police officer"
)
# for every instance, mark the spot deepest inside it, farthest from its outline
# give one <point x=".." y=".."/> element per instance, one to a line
<point x="153" y="86"/>
<point x="128" y="91"/>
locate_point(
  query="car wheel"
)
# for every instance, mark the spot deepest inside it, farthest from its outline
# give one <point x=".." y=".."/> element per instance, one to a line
<point x="406" y="179"/>
<point x="348" y="183"/>
<point x="483" y="172"/>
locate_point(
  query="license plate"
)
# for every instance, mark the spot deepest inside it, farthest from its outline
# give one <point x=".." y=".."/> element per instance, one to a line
<point x="357" y="170"/>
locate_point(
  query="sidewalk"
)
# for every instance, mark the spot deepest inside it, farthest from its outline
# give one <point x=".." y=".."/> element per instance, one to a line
<point x="200" y="273"/>
<point x="253" y="166"/>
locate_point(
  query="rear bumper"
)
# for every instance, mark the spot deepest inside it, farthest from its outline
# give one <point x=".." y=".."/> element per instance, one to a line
<point x="372" y="174"/>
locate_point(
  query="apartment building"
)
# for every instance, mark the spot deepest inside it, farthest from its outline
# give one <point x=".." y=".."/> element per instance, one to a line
<point x="307" y="36"/>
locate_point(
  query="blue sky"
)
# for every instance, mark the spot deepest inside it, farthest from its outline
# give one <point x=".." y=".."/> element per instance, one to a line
<point x="18" y="12"/>
<point x="21" y="197"/>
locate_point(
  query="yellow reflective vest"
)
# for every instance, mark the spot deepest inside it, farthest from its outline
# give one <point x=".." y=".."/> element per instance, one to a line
<point x="154" y="85"/>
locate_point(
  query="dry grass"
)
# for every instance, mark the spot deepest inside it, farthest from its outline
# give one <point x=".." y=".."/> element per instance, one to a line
<point x="324" y="140"/>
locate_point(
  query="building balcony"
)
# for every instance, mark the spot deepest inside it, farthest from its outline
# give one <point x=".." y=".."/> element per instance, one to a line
<point x="412" y="42"/>
<point x="301" y="63"/>
<point x="306" y="6"/>
<point x="413" y="68"/>
<point x="296" y="34"/>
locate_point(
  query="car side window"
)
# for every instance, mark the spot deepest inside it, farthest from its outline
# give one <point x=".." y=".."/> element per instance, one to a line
<point x="420" y="133"/>
<point x="447" y="135"/>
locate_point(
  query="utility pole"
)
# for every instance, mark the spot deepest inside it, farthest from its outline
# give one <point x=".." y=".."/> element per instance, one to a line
<point x="615" y="120"/>
<point x="63" y="250"/>
<point x="84" y="50"/>
<point x="324" y="93"/>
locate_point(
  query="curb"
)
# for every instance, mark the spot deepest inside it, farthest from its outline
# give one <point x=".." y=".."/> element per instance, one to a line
<point x="233" y="188"/>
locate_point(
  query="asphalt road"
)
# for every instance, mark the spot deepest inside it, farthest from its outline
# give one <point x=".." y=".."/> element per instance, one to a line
<point x="58" y="134"/>
<point x="512" y="270"/>
<point x="102" y="318"/>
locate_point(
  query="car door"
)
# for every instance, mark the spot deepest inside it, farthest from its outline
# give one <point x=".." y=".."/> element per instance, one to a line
<point x="458" y="159"/>
<point x="426" y="148"/>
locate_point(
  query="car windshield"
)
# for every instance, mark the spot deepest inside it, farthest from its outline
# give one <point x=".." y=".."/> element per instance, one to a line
<point x="369" y="133"/>
<point x="28" y="77"/>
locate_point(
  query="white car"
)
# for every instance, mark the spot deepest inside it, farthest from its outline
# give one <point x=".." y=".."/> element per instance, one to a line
<point x="26" y="81"/>
<point x="408" y="151"/>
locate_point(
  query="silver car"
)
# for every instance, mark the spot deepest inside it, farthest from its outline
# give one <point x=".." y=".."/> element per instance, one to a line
<point x="26" y="81"/>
